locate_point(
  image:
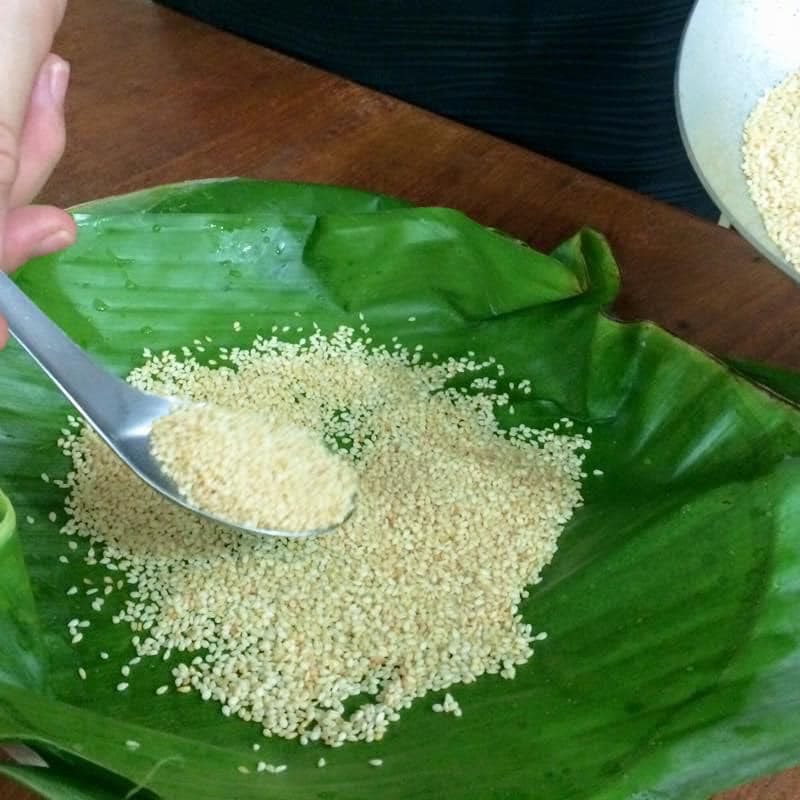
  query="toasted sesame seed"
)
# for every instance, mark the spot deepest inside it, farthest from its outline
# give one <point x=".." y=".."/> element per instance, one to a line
<point x="435" y="470"/>
<point x="770" y="144"/>
<point x="246" y="448"/>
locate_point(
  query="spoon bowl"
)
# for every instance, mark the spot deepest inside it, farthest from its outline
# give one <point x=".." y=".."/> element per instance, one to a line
<point x="121" y="415"/>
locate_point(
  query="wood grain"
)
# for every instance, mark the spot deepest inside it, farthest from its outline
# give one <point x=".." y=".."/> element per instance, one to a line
<point x="156" y="97"/>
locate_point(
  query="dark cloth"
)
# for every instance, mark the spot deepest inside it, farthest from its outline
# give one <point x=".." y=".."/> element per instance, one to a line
<point x="587" y="82"/>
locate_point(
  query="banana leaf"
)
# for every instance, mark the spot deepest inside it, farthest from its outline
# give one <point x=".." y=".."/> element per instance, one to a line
<point x="672" y="666"/>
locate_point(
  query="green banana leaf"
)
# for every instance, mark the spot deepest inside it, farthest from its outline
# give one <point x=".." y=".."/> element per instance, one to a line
<point x="672" y="666"/>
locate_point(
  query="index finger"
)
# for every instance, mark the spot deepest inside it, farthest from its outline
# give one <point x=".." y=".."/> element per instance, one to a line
<point x="27" y="29"/>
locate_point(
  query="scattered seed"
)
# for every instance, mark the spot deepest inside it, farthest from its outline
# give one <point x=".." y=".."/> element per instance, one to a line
<point x="400" y="420"/>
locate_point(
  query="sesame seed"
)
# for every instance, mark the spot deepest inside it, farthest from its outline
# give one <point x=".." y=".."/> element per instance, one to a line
<point x="63" y="559"/>
<point x="132" y="744"/>
<point x="321" y="762"/>
<point x="45" y="477"/>
<point x="376" y="762"/>
<point x="30" y="520"/>
<point x="121" y="687"/>
<point x="280" y="768"/>
<point x="78" y="637"/>
<point x="82" y="673"/>
<point x="103" y="655"/>
<point x="243" y="769"/>
<point x="126" y="670"/>
<point x="52" y="516"/>
<point x="246" y="449"/>
<point x="72" y="590"/>
<point x="256" y="747"/>
<point x="269" y="634"/>
<point x="770" y="143"/>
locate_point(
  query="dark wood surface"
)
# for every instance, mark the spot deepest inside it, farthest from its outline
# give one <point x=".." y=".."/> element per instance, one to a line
<point x="156" y="97"/>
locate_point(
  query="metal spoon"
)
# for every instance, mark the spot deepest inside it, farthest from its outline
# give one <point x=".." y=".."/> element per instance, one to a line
<point x="120" y="414"/>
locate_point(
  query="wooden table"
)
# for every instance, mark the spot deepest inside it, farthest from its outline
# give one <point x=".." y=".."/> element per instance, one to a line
<point x="156" y="97"/>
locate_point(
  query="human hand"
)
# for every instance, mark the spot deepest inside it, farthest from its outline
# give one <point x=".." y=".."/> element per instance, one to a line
<point x="32" y="135"/>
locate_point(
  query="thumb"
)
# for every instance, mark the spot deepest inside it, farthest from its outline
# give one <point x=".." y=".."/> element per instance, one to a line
<point x="35" y="231"/>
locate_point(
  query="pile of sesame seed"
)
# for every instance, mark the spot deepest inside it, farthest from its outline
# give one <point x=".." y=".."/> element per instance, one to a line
<point x="250" y="470"/>
<point x="417" y="591"/>
<point x="771" y="163"/>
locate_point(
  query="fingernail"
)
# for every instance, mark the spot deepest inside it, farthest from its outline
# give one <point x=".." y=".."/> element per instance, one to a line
<point x="58" y="80"/>
<point x="56" y="241"/>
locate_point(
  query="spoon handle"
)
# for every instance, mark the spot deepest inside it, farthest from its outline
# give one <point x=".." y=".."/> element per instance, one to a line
<point x="97" y="394"/>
